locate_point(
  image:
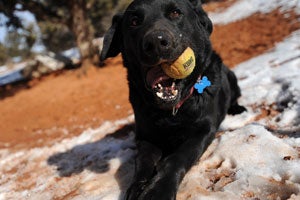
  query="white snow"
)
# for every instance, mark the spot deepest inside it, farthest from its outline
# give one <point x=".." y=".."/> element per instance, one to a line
<point x="93" y="159"/>
<point x="247" y="163"/>
<point x="3" y="69"/>
<point x="244" y="8"/>
<point x="8" y="75"/>
<point x="272" y="80"/>
<point x="73" y="52"/>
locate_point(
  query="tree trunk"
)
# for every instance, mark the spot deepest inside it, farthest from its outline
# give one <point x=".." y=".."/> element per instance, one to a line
<point x="81" y="27"/>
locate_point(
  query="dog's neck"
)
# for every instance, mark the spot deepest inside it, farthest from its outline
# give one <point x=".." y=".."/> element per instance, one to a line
<point x="200" y="85"/>
<point x="176" y="108"/>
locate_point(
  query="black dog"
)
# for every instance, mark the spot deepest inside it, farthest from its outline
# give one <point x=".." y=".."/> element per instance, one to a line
<point x="174" y="122"/>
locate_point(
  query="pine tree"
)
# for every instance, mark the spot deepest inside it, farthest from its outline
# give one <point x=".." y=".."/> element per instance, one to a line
<point x="63" y="23"/>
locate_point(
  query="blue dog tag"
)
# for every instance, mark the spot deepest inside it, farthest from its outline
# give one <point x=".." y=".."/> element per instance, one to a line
<point x="202" y="84"/>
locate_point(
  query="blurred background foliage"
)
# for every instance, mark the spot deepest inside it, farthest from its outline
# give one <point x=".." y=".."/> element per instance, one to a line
<point x="60" y="24"/>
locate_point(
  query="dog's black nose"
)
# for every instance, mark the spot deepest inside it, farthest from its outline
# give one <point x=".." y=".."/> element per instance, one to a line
<point x="157" y="43"/>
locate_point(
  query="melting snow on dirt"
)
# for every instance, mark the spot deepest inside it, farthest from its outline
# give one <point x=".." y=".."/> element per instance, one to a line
<point x="256" y="155"/>
<point x="83" y="167"/>
<point x="244" y="8"/>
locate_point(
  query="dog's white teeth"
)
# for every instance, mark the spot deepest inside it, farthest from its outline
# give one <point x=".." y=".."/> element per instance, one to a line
<point x="159" y="94"/>
<point x="166" y="93"/>
<point x="175" y="92"/>
<point x="173" y="85"/>
<point x="159" y="87"/>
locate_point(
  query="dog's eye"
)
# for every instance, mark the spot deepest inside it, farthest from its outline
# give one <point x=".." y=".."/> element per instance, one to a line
<point x="135" y="21"/>
<point x="175" y="14"/>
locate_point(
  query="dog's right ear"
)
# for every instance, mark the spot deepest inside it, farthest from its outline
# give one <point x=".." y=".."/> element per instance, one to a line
<point x="203" y="18"/>
<point x="112" y="42"/>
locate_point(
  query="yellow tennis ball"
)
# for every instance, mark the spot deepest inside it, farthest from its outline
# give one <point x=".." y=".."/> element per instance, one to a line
<point x="183" y="66"/>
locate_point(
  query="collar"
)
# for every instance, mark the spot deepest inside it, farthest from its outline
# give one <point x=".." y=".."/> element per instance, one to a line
<point x="200" y="85"/>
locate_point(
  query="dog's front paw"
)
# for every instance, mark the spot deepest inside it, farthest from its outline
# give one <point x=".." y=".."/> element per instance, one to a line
<point x="135" y="190"/>
<point x="158" y="194"/>
<point x="163" y="189"/>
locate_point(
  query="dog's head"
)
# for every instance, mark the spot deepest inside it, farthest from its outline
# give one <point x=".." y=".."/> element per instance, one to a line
<point x="152" y="32"/>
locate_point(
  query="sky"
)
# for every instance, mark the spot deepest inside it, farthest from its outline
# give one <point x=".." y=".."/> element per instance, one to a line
<point x="27" y="19"/>
<point x="3" y="29"/>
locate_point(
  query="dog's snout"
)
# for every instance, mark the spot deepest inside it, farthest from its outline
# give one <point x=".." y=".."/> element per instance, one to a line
<point x="157" y="43"/>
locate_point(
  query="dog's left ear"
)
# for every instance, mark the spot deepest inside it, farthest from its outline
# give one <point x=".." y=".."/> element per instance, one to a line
<point x="112" y="42"/>
<point x="196" y="2"/>
<point x="202" y="16"/>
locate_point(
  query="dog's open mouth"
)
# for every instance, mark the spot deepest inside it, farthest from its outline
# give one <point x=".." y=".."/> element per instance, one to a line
<point x="164" y="87"/>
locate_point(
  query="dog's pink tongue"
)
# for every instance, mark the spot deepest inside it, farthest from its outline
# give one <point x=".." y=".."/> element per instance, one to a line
<point x="155" y="76"/>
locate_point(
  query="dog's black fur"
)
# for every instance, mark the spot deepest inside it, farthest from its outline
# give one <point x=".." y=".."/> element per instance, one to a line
<point x="149" y="33"/>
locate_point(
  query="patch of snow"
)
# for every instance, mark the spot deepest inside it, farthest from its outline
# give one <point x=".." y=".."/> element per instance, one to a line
<point x="73" y="54"/>
<point x="50" y="61"/>
<point x="8" y="75"/>
<point x="244" y="8"/>
<point x="273" y="79"/>
<point x="93" y="159"/>
<point x="3" y="69"/>
<point x="247" y="163"/>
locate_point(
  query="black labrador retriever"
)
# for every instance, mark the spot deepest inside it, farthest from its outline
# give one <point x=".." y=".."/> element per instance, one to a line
<point x="175" y="122"/>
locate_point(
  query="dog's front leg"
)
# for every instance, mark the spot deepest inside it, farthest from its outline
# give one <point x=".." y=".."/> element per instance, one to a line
<point x="145" y="168"/>
<point x="171" y="169"/>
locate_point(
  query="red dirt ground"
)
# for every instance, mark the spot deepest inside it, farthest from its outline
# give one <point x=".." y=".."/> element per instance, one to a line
<point x="63" y="104"/>
<point x="241" y="40"/>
